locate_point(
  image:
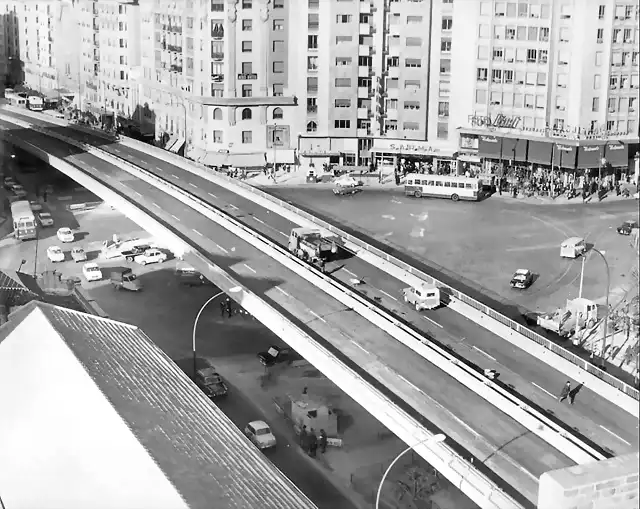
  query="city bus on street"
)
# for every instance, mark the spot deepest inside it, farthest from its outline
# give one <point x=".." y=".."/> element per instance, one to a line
<point x="24" y="220"/>
<point x="35" y="103"/>
<point x="443" y="186"/>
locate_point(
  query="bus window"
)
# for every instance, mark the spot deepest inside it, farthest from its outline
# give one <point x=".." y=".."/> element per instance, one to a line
<point x="430" y="183"/>
<point x="409" y="182"/>
<point x="447" y="184"/>
<point x="468" y="186"/>
<point x="438" y="183"/>
<point x="454" y="184"/>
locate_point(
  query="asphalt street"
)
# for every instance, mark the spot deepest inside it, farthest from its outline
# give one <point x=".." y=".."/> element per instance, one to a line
<point x="594" y="417"/>
<point x="518" y="456"/>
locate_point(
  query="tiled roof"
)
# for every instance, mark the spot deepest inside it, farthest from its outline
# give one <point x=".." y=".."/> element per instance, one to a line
<point x="204" y="455"/>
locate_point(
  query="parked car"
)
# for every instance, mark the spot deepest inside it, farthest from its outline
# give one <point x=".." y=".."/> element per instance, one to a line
<point x="125" y="279"/>
<point x="151" y="256"/>
<point x="35" y="206"/>
<point x="340" y="190"/>
<point x="91" y="271"/>
<point x="55" y="254"/>
<point x="65" y="235"/>
<point x="130" y="254"/>
<point x="260" y="434"/>
<point x="522" y="279"/>
<point x="18" y="190"/>
<point x="627" y="227"/>
<point x="45" y="218"/>
<point x="78" y="255"/>
<point x="276" y="355"/>
<point x="211" y="383"/>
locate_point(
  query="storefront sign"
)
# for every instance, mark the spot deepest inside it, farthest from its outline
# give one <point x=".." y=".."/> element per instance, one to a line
<point x="408" y="148"/>
<point x="617" y="154"/>
<point x="499" y="121"/>
<point x="564" y="156"/>
<point x="490" y="147"/>
<point x="383" y="146"/>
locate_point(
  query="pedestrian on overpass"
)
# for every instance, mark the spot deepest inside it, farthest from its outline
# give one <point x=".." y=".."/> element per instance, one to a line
<point x="229" y="307"/>
<point x="566" y="390"/>
<point x="223" y="308"/>
<point x="303" y="437"/>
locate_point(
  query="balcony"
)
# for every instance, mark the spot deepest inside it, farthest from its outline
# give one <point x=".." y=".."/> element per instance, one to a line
<point x="174" y="49"/>
<point x="312" y="109"/>
<point x="217" y="78"/>
<point x="363" y="72"/>
<point x="363" y="113"/>
<point x="365" y="29"/>
<point x="364" y="50"/>
<point x="364" y="92"/>
<point x="217" y="56"/>
<point x="175" y="68"/>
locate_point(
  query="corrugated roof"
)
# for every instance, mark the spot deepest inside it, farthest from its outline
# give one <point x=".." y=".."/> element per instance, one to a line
<point x="17" y="288"/>
<point x="201" y="451"/>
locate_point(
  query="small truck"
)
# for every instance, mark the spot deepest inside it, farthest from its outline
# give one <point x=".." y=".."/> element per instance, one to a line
<point x="308" y="244"/>
<point x="423" y="296"/>
<point x="577" y="314"/>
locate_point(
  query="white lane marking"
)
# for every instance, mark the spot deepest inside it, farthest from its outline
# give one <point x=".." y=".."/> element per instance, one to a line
<point x="388" y="295"/>
<point x="282" y="291"/>
<point x="252" y="270"/>
<point x="317" y="316"/>
<point x="258" y="219"/>
<point x="155" y="205"/>
<point x="175" y="176"/>
<point x="117" y="150"/>
<point x="197" y="232"/>
<point x="138" y="194"/>
<point x="350" y="273"/>
<point x="212" y="195"/>
<point x="283" y="234"/>
<point x="65" y="198"/>
<point x="413" y="386"/>
<point x="483" y="353"/>
<point x="360" y="347"/>
<point x="175" y="217"/>
<point x="220" y="247"/>
<point x="233" y="207"/>
<point x="431" y="321"/>
<point x="612" y="433"/>
<point x="193" y="185"/>
<point x="544" y="390"/>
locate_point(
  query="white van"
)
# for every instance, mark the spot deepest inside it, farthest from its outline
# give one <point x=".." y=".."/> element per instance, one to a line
<point x="573" y="247"/>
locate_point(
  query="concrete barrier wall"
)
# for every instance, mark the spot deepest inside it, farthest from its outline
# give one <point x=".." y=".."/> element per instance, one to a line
<point x="473" y="483"/>
<point x="609" y="387"/>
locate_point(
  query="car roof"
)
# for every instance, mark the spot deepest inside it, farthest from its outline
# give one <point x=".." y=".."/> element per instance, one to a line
<point x="91" y="265"/>
<point x="208" y="371"/>
<point x="45" y="213"/>
<point x="78" y="248"/>
<point x="64" y="228"/>
<point x="258" y="425"/>
<point x="522" y="271"/>
<point x="55" y="247"/>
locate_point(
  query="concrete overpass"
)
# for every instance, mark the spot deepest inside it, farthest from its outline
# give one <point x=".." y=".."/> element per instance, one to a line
<point x="165" y="203"/>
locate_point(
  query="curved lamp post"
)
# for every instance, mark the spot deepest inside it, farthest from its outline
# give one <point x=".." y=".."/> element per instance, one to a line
<point x="606" y="316"/>
<point x="235" y="289"/>
<point x="431" y="440"/>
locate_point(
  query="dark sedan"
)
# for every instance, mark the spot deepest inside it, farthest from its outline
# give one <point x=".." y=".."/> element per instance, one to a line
<point x="627" y="227"/>
<point x="522" y="279"/>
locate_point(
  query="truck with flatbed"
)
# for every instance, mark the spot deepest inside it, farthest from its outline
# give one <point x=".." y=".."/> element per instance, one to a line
<point x="308" y="244"/>
<point x="577" y="314"/>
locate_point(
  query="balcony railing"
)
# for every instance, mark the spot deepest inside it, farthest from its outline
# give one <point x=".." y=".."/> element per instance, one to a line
<point x="248" y="76"/>
<point x="175" y="68"/>
<point x="312" y="109"/>
<point x="217" y="56"/>
<point x="217" y="78"/>
<point x="175" y="49"/>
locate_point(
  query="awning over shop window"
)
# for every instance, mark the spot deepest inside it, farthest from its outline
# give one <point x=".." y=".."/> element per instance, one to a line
<point x="514" y="149"/>
<point x="177" y="145"/>
<point x="281" y="156"/>
<point x="539" y="152"/>
<point x="590" y="156"/>
<point x="214" y="159"/>
<point x="617" y="154"/>
<point x="564" y="156"/>
<point x="255" y="160"/>
<point x="490" y="147"/>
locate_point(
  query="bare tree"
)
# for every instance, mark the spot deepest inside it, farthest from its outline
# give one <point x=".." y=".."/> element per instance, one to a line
<point x="418" y="486"/>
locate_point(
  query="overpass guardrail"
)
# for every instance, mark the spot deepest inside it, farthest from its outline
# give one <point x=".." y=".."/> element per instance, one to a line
<point x="514" y="326"/>
<point x="445" y="457"/>
<point x="536" y="421"/>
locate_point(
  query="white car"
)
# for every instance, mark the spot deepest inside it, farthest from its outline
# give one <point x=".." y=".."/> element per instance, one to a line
<point x="19" y="191"/>
<point x="55" y="254"/>
<point x="346" y="181"/>
<point x="78" y="255"/>
<point x="91" y="271"/>
<point x="65" y="235"/>
<point x="45" y="219"/>
<point x="260" y="434"/>
<point x="151" y="256"/>
<point x="35" y="206"/>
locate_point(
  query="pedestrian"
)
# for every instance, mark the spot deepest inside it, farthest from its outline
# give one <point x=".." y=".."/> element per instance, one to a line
<point x="397" y="176"/>
<point x="223" y="308"/>
<point x="564" y="394"/>
<point x="229" y="307"/>
<point x="323" y="441"/>
<point x="303" y="437"/>
<point x="574" y="392"/>
<point x="322" y="265"/>
<point x="313" y="443"/>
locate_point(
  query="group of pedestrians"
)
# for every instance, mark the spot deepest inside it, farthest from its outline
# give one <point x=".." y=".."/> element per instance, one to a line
<point x="226" y="307"/>
<point x="310" y="442"/>
<point x="569" y="392"/>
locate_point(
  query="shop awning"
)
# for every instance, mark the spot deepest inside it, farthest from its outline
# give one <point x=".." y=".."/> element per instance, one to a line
<point x="617" y="154"/>
<point x="177" y="145"/>
<point x="490" y="147"/>
<point x="514" y="149"/>
<point x="564" y="156"/>
<point x="590" y="156"/>
<point x="255" y="160"/>
<point x="214" y="158"/>
<point x="539" y="152"/>
<point x="469" y="158"/>
<point x="196" y="154"/>
<point x="281" y="156"/>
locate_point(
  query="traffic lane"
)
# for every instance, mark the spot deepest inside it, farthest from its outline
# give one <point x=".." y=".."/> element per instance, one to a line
<point x="287" y="456"/>
<point x="509" y="431"/>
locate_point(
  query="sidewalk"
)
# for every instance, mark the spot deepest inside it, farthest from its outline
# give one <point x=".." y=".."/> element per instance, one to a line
<point x="298" y="178"/>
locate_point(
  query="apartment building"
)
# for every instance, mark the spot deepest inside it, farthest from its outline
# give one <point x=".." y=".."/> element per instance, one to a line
<point x="11" y="50"/>
<point x="4" y="56"/>
<point x="546" y="83"/>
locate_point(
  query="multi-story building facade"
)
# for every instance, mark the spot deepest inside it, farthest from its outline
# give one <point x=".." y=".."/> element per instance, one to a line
<point x="11" y="52"/>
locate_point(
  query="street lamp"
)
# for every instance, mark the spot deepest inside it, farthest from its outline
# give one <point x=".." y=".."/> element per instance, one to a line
<point x="235" y="289"/>
<point x="606" y="317"/>
<point x="430" y="440"/>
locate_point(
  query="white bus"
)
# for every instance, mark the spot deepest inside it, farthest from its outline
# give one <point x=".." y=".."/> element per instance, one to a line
<point x="15" y="99"/>
<point x="35" y="103"/>
<point x="24" y="220"/>
<point x="443" y="186"/>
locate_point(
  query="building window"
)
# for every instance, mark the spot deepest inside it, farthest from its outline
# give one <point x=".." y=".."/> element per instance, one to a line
<point x="447" y="22"/>
<point x="278" y="4"/>
<point x="246" y="114"/>
<point x="445" y="45"/>
<point x="561" y="80"/>
<point x="247" y="137"/>
<point x="247" y="91"/>
<point x="443" y="109"/>
<point x="596" y="81"/>
<point x="496" y="75"/>
<point x="217" y="137"/>
<point x="277" y="114"/>
<point x="481" y="96"/>
<point x="342" y="124"/>
<point x="312" y="84"/>
<point x="278" y="24"/>
<point x="342" y="61"/>
<point x="481" y="74"/>
<point x="412" y="62"/>
<point x="312" y="63"/>
<point x="342" y="103"/>
<point x="413" y="42"/>
<point x="313" y="21"/>
<point x="312" y="42"/>
<point x="343" y="18"/>
<point x="278" y="46"/>
<point x="601" y="13"/>
<point x="391" y="125"/>
<point x="412" y="85"/>
<point x="411" y="105"/>
<point x="278" y="67"/>
<point x="443" y="131"/>
<point x="278" y="90"/>
<point x="247" y="68"/>
<point x="247" y="46"/>
<point x="414" y="20"/>
<point x="411" y="126"/>
<point x="600" y="35"/>
<point x="342" y="82"/>
<point x="312" y="127"/>
<point x="445" y="66"/>
<point x="508" y="76"/>
<point x="247" y="25"/>
<point x="613" y="82"/>
<point x="498" y="54"/>
<point x="343" y="38"/>
<point x="532" y="55"/>
<point x="247" y="4"/>
<point x="217" y="114"/>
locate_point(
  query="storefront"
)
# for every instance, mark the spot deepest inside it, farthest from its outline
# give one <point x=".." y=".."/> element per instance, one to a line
<point x="413" y="154"/>
<point x="315" y="152"/>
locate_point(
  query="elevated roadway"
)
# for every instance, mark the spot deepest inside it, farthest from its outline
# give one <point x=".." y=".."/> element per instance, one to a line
<point x="495" y="441"/>
<point x="599" y="420"/>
